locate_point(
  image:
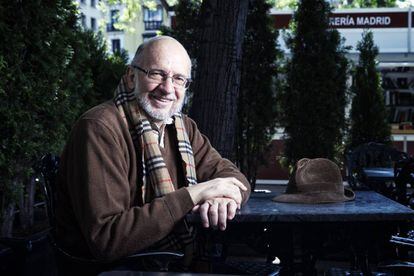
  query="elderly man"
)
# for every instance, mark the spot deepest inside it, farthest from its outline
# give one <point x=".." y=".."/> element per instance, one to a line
<point x="135" y="166"/>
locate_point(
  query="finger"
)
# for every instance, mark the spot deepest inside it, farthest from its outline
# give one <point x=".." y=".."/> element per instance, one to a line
<point x="229" y="191"/>
<point x="236" y="196"/>
<point x="231" y="210"/>
<point x="222" y="216"/>
<point x="213" y="214"/>
<point x="203" y="210"/>
<point x="195" y="208"/>
<point x="239" y="184"/>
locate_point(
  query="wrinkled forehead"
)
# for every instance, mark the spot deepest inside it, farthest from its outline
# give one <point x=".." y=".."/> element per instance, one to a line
<point x="167" y="54"/>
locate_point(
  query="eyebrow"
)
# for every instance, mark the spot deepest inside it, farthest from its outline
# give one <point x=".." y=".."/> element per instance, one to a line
<point x="177" y="74"/>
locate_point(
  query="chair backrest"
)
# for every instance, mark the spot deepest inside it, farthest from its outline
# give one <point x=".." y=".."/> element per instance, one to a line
<point x="49" y="165"/>
<point x="404" y="174"/>
<point x="371" y="155"/>
<point x="375" y="155"/>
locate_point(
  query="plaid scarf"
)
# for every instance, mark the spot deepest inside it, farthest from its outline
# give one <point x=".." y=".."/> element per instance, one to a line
<point x="156" y="178"/>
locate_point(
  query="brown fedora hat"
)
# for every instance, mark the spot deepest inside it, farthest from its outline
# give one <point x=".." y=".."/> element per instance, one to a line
<point x="316" y="180"/>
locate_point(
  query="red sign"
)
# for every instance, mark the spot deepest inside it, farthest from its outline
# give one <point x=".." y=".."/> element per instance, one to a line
<point x="355" y="20"/>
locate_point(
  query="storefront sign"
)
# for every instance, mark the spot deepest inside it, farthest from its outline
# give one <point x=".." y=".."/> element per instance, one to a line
<point x="355" y="20"/>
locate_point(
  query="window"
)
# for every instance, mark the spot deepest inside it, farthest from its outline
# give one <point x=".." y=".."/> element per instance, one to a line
<point x="83" y="20"/>
<point x="147" y="36"/>
<point x="93" y="3"/>
<point x="82" y="1"/>
<point x="114" y="16"/>
<point x="153" y="18"/>
<point x="93" y="23"/>
<point x="116" y="45"/>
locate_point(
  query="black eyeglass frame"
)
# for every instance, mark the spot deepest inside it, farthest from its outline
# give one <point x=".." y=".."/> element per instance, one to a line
<point x="147" y="72"/>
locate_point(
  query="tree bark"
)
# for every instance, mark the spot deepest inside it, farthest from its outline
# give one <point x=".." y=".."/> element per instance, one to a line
<point x="7" y="220"/>
<point x="217" y="80"/>
<point x="26" y="203"/>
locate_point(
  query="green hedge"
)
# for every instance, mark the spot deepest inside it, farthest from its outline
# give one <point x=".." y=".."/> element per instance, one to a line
<point x="50" y="72"/>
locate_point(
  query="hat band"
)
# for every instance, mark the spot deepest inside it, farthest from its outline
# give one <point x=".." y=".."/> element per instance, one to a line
<point x="320" y="187"/>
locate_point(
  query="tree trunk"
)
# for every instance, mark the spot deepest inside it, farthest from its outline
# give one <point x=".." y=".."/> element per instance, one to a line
<point x="7" y="220"/>
<point x="217" y="79"/>
<point x="26" y="203"/>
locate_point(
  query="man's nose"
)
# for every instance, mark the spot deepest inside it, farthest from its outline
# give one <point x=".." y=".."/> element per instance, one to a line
<point x="167" y="85"/>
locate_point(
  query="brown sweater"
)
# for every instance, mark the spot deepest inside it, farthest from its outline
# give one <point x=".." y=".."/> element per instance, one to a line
<point x="100" y="212"/>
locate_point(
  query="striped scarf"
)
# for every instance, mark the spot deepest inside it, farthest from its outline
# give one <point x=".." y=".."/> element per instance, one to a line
<point x="156" y="178"/>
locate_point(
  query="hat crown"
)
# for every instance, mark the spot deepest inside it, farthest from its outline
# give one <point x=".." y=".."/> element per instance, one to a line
<point x="316" y="180"/>
<point x="319" y="174"/>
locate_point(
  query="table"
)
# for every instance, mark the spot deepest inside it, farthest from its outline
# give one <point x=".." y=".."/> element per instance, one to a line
<point x="367" y="206"/>
<point x="362" y="223"/>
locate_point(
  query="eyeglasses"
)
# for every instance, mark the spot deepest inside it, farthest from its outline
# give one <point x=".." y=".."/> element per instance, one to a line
<point x="160" y="76"/>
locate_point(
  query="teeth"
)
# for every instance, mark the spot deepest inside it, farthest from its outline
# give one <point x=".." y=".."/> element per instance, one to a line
<point x="162" y="99"/>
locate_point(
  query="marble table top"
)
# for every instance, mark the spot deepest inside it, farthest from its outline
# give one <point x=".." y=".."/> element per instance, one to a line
<point x="368" y="206"/>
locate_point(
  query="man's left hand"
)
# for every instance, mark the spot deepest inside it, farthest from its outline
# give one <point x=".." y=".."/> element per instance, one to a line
<point x="216" y="211"/>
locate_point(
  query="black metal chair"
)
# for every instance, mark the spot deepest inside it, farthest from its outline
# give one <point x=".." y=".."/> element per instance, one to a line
<point x="371" y="166"/>
<point x="48" y="167"/>
<point x="404" y="249"/>
<point x="404" y="177"/>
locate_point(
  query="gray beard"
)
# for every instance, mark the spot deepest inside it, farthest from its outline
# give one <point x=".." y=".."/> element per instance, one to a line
<point x="156" y="115"/>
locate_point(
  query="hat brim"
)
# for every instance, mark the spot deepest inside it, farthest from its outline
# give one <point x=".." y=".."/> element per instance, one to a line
<point x="315" y="198"/>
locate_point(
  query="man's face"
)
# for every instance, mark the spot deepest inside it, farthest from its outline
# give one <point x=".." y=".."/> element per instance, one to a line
<point x="161" y="100"/>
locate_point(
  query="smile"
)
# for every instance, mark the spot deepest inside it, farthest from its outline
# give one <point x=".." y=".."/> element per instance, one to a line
<point x="160" y="101"/>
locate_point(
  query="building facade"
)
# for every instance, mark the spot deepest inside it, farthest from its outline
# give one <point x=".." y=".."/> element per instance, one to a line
<point x="147" y="23"/>
<point x="90" y="15"/>
<point x="393" y="33"/>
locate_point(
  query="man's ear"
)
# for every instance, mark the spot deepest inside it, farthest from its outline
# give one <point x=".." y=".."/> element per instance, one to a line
<point x="130" y="78"/>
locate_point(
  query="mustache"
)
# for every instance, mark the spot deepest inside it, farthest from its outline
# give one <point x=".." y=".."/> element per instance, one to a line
<point x="153" y="94"/>
<point x="162" y="97"/>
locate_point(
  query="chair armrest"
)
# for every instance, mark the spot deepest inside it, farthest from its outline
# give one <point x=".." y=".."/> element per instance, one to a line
<point x="161" y="255"/>
<point x="166" y="254"/>
<point x="161" y="258"/>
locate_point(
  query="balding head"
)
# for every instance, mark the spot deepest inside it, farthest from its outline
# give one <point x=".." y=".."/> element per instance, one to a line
<point x="164" y="45"/>
<point x="161" y="56"/>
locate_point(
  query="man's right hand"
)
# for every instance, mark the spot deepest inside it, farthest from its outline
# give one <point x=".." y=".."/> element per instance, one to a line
<point x="228" y="187"/>
<point x="215" y="212"/>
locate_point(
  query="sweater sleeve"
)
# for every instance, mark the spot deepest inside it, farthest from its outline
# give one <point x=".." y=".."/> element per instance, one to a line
<point x="209" y="163"/>
<point x="102" y="199"/>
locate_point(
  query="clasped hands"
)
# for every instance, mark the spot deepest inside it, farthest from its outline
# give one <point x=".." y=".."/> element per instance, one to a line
<point x="217" y="200"/>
